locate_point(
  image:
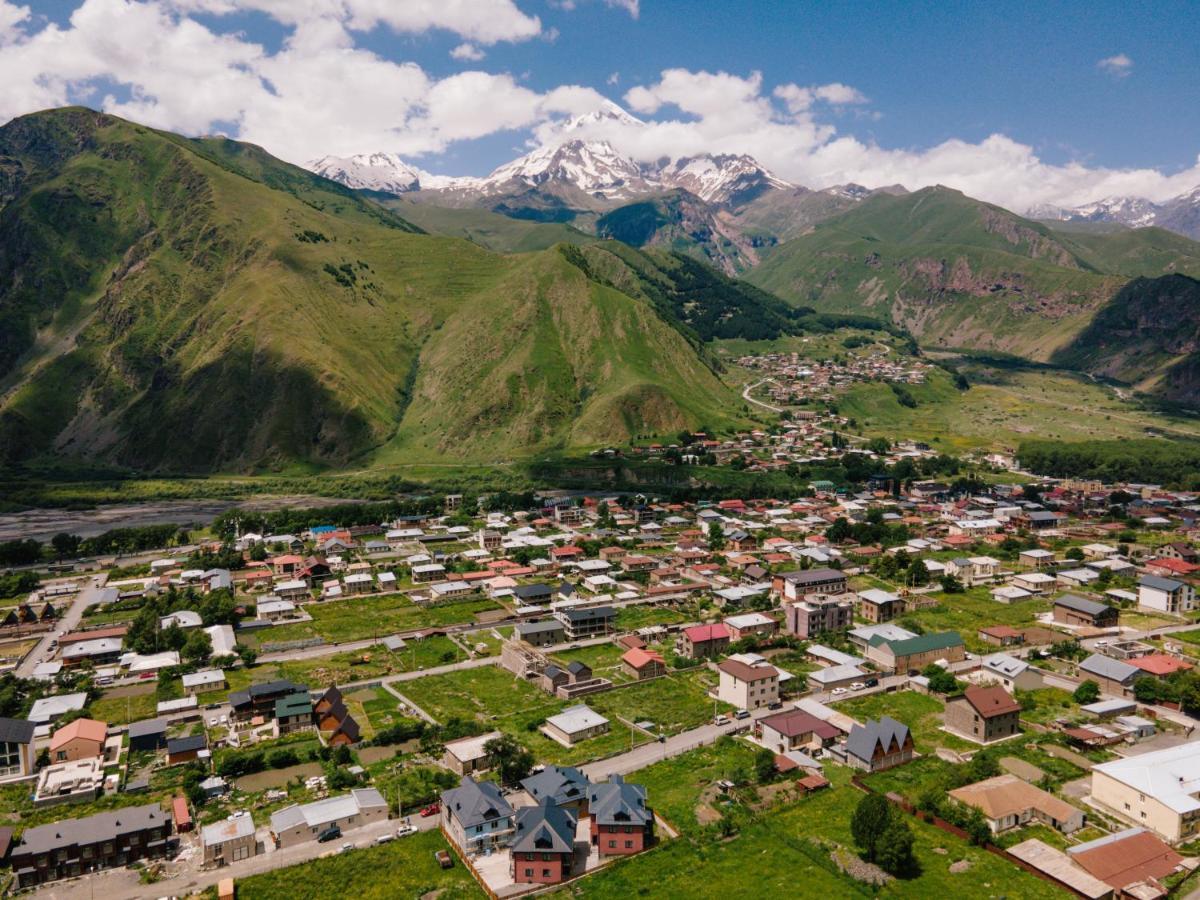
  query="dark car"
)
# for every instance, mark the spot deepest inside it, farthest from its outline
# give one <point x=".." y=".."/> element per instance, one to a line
<point x="778" y="704"/>
<point x="444" y="859"/>
<point x="332" y="833"/>
<point x="872" y="682"/>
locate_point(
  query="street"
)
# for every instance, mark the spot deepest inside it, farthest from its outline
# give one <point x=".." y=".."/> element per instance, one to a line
<point x="92" y="589"/>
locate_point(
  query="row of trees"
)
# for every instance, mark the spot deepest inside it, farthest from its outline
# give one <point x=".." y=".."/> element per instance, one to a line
<point x="29" y="552"/>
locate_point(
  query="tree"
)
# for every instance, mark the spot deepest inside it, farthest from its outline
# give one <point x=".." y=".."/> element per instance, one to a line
<point x="66" y="545"/>
<point x="764" y="765"/>
<point x="976" y="827"/>
<point x="940" y="681"/>
<point x="258" y="552"/>
<point x="1087" y="692"/>
<point x="513" y="761"/>
<point x="197" y="647"/>
<point x="1146" y="689"/>
<point x="918" y="574"/>
<point x="951" y="585"/>
<point x="894" y="849"/>
<point x="716" y="536"/>
<point x="1074" y="553"/>
<point x="869" y="822"/>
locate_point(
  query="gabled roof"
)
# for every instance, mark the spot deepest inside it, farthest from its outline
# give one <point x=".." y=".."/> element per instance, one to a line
<point x="991" y="701"/>
<point x="1126" y="857"/>
<point x="1080" y="604"/>
<point x="1112" y="669"/>
<point x="546" y="828"/>
<point x="699" y="634"/>
<point x="562" y="784"/>
<point x="87" y="729"/>
<point x="187" y="744"/>
<point x="886" y="733"/>
<point x="16" y="731"/>
<point x="619" y="803"/>
<point x="639" y="658"/>
<point x="922" y="643"/>
<point x="794" y="722"/>
<point x="476" y="802"/>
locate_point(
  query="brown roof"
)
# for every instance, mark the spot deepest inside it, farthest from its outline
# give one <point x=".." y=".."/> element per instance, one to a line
<point x="1001" y="631"/>
<point x="87" y="729"/>
<point x="1007" y="795"/>
<point x="95" y="634"/>
<point x="1127" y="860"/>
<point x="793" y="722"/>
<point x="744" y="672"/>
<point x="991" y="701"/>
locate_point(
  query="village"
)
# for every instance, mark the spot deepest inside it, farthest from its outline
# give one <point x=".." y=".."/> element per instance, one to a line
<point x="557" y="689"/>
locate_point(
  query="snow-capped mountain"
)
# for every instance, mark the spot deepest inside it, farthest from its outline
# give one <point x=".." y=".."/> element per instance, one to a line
<point x="1180" y="214"/>
<point x="385" y="172"/>
<point x="594" y="167"/>
<point x="576" y="157"/>
<point x="723" y="179"/>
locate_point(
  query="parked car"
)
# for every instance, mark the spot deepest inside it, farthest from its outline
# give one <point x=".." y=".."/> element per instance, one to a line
<point x="406" y="830"/>
<point x="432" y="810"/>
<point x="332" y="833"/>
<point x="346" y="847"/>
<point x="721" y="720"/>
<point x="742" y="714"/>
<point x="778" y="704"/>
<point x="858" y="686"/>
<point x="444" y="859"/>
<point x="212" y="723"/>
<point x="384" y="838"/>
<point x="872" y="682"/>
<point x="837" y="692"/>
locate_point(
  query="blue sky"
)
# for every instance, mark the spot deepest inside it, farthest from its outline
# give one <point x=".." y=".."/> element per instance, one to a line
<point x="935" y="82"/>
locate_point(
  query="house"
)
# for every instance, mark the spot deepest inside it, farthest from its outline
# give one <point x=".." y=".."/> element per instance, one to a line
<point x="1072" y="610"/>
<point x="1034" y="582"/>
<point x="574" y="724"/>
<point x="148" y="735"/>
<point x="1114" y="676"/>
<point x="78" y="739"/>
<point x="793" y="586"/>
<point x="753" y="624"/>
<point x="293" y="713"/>
<point x="259" y="699"/>
<point x="1166" y="595"/>
<point x="586" y="622"/>
<point x="1159" y="790"/>
<point x="861" y="637"/>
<point x="230" y="840"/>
<point x="72" y="847"/>
<point x="476" y="817"/>
<point x="80" y="781"/>
<point x="53" y="708"/>
<point x="186" y="749"/>
<point x="794" y="729"/>
<point x="701" y="641"/>
<point x="1008" y="802"/>
<point x="745" y="686"/>
<point x="300" y="823"/>
<point x="817" y="614"/>
<point x="1001" y="636"/>
<point x="563" y="785"/>
<point x="983" y="714"/>
<point x="1009" y="672"/>
<point x="1036" y="558"/>
<point x="467" y="756"/>
<point x="877" y="606"/>
<point x="643" y="664"/>
<point x="203" y="681"/>
<point x="16" y="749"/>
<point x="543" y="844"/>
<point x="543" y="633"/>
<point x="876" y="746"/>
<point x="1127" y="861"/>
<point x="274" y="609"/>
<point x="914" y="654"/>
<point x="621" y="822"/>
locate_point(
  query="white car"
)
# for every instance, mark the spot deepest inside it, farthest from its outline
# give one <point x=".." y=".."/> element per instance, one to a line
<point x="406" y="830"/>
<point x="837" y="692"/>
<point x="858" y="686"/>
<point x="212" y="723"/>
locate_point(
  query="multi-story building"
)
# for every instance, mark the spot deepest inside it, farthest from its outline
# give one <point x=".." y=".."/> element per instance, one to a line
<point x="230" y="840"/>
<point x="476" y="816"/>
<point x="746" y="686"/>
<point x="1159" y="790"/>
<point x="583" y="622"/>
<point x="543" y="844"/>
<point x="16" y="749"/>
<point x="983" y="714"/>
<point x="1166" y="595"/>
<point x="818" y="614"/>
<point x="621" y="822"/>
<point x="793" y="586"/>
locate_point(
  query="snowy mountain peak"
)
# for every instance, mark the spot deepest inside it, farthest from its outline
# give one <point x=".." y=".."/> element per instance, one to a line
<point x="608" y="112"/>
<point x="722" y="178"/>
<point x="1180" y="214"/>
<point x="385" y="172"/>
<point x="591" y="166"/>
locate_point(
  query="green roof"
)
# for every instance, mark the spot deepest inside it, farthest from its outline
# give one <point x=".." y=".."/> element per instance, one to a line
<point x="922" y="643"/>
<point x="293" y="705"/>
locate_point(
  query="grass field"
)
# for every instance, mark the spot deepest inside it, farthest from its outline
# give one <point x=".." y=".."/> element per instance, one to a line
<point x="674" y="703"/>
<point x="1188" y="637"/>
<point x="351" y="620"/>
<point x="402" y="868"/>
<point x="920" y="712"/>
<point x="971" y="610"/>
<point x="122" y="706"/>
<point x="630" y="618"/>
<point x="784" y="851"/>
<point x="495" y="699"/>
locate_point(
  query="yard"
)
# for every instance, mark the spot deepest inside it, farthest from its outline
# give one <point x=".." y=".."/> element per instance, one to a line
<point x="674" y="703"/>
<point x="495" y="699"/>
<point x="123" y="705"/>
<point x="971" y="610"/>
<point x="349" y="620"/>
<point x="920" y="712"/>
<point x="402" y="868"/>
<point x="631" y="618"/>
<point x="797" y="838"/>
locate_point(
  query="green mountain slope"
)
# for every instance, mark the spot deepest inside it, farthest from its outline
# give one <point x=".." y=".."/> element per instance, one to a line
<point x="182" y="305"/>
<point x="484" y="227"/>
<point x="959" y="272"/>
<point x="1147" y="336"/>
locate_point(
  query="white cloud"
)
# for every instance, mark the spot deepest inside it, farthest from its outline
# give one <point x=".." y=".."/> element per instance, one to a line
<point x="467" y="52"/>
<point x="630" y="6"/>
<point x="323" y="93"/>
<point x="613" y="79"/>
<point x="1119" y="66"/>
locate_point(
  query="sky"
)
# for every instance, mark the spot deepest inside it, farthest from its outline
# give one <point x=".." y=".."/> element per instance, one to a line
<point x="1018" y="104"/>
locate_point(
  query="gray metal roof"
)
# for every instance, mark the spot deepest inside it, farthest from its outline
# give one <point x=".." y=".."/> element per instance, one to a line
<point x="546" y="828"/>
<point x="863" y="739"/>
<point x="1160" y="584"/>
<point x="619" y="803"/>
<point x="476" y="802"/>
<point x="106" y="826"/>
<point x="1081" y="604"/>
<point x="563" y="784"/>
<point x="1112" y="669"/>
<point x="16" y="731"/>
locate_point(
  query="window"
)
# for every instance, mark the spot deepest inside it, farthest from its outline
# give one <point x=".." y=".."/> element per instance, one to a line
<point x="629" y="845"/>
<point x="240" y="853"/>
<point x="545" y="873"/>
<point x="529" y="873"/>
<point x="612" y="844"/>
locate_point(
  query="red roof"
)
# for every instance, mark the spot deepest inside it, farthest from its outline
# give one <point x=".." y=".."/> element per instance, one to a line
<point x="1160" y="664"/>
<point x="1001" y="631"/>
<point x="813" y="782"/>
<point x="639" y="658"/>
<point x="1127" y="860"/>
<point x="180" y="810"/>
<point x="1176" y="566"/>
<point x="698" y="634"/>
<point x="87" y="729"/>
<point x="991" y="701"/>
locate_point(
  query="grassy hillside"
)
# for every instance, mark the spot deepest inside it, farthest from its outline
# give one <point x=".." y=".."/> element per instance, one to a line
<point x="1147" y="336"/>
<point x="486" y="228"/>
<point x="183" y="305"/>
<point x="959" y="272"/>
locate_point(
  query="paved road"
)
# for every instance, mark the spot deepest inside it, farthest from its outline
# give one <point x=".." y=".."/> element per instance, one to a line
<point x="746" y="396"/>
<point x="91" y="592"/>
